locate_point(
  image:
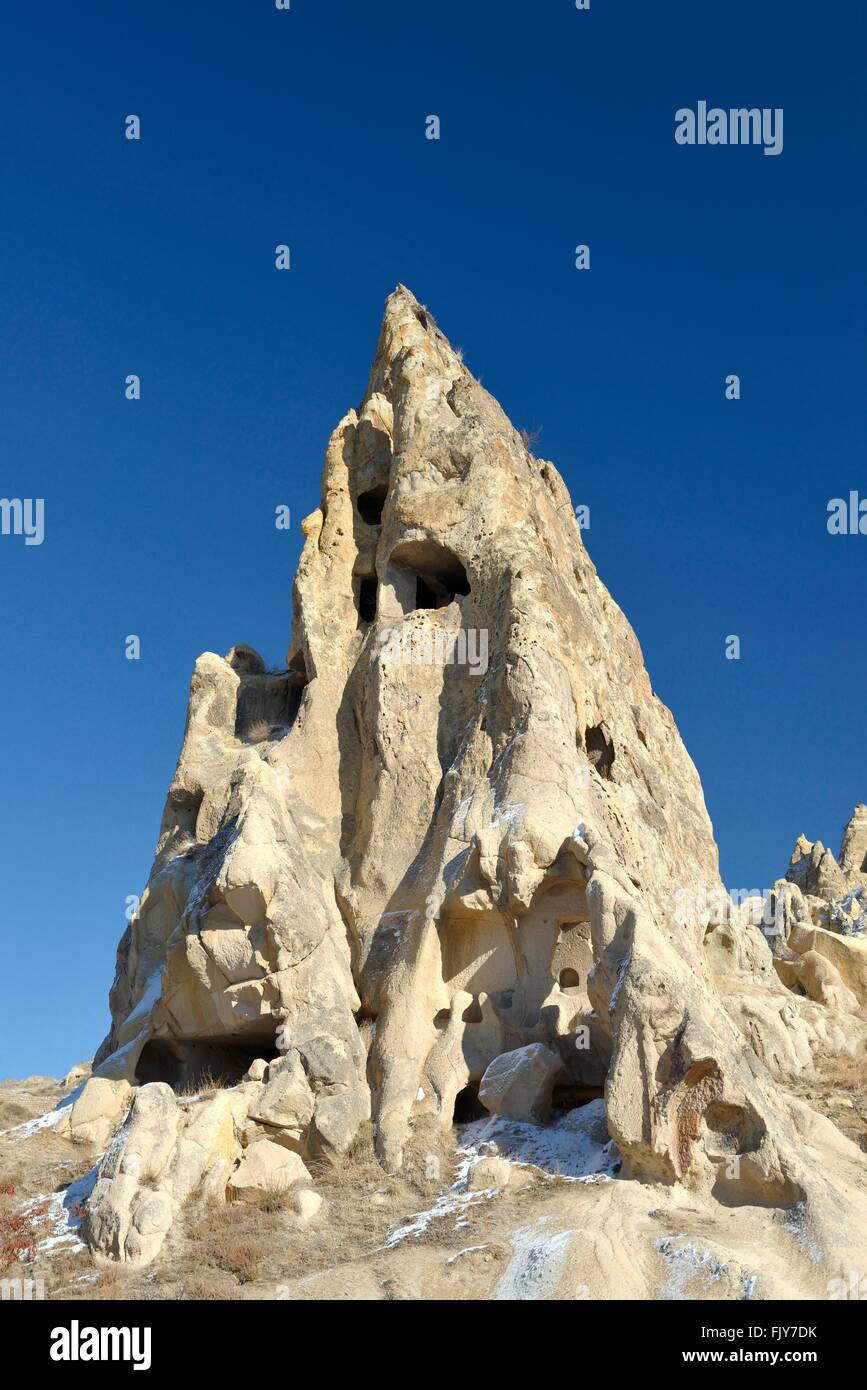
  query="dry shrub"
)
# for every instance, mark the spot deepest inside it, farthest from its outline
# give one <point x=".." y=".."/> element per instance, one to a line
<point x="204" y="1286"/>
<point x="112" y="1282"/>
<point x="258" y="731"/>
<point x="205" y="1085"/>
<point x="848" y="1073"/>
<point x="12" y="1113"/>
<point x="273" y="1200"/>
<point x="230" y="1236"/>
<point x="20" y="1230"/>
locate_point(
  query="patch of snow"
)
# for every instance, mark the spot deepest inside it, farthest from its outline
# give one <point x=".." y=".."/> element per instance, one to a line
<point x="152" y="991"/>
<point x="794" y="1221"/>
<point x="467" y="1250"/>
<point x="575" y="1147"/>
<point x="535" y="1268"/>
<point x="842" y="914"/>
<point x="508" y="816"/>
<point x="63" y="1216"/>
<point x="449" y="1203"/>
<point x="30" y="1127"/>
<point x="621" y="976"/>
<point x="686" y="1260"/>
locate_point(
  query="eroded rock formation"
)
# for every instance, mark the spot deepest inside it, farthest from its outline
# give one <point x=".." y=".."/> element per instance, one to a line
<point x="457" y="825"/>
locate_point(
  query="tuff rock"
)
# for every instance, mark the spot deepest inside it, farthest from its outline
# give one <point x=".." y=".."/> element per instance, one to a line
<point x="459" y="827"/>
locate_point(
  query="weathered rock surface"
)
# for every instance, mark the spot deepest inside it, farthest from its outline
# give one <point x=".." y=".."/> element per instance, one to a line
<point x="817" y="873"/>
<point x="459" y="821"/>
<point x="267" y="1167"/>
<point x="520" y="1084"/>
<point x="98" y="1111"/>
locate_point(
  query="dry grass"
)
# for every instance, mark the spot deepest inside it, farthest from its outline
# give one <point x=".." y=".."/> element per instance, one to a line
<point x="24" y="1100"/>
<point x="234" y="1237"/>
<point x="246" y="1249"/>
<point x="13" y="1113"/>
<point x="203" y="1087"/>
<point x="846" y="1073"/>
<point x="112" y="1282"/>
<point x="839" y="1091"/>
<point x="258" y="731"/>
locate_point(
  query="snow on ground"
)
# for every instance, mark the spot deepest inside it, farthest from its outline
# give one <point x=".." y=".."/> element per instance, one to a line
<point x="31" y="1127"/>
<point x="453" y="1202"/>
<point x="63" y="1217"/>
<point x="794" y="1220"/>
<point x="574" y="1148"/>
<point x="467" y="1250"/>
<point x="685" y="1261"/>
<point x="534" y="1271"/>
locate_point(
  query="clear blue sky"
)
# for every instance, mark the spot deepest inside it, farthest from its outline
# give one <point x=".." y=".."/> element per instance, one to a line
<point x="261" y="127"/>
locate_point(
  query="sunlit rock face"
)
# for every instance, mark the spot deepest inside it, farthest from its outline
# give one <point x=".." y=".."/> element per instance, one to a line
<point x="459" y="823"/>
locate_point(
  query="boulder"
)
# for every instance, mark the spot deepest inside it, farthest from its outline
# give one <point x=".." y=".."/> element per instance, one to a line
<point x="306" y="1204"/>
<point x="168" y="1151"/>
<point x="286" y="1100"/>
<point x="98" y="1111"/>
<point x="520" y="1084"/>
<point x="820" y="980"/>
<point x="76" y="1075"/>
<point x="265" y="1168"/>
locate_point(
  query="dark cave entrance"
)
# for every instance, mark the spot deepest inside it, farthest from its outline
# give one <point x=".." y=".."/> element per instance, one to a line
<point x="194" y="1066"/>
<point x="571" y="1097"/>
<point x="437" y="577"/>
<point x="424" y="594"/>
<point x="371" y="503"/>
<point x="298" y="681"/>
<point x="368" y="590"/>
<point x="468" y="1107"/>
<point x="600" y="749"/>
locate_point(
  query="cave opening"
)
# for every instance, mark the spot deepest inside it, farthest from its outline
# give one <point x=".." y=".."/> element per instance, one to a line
<point x="571" y="1097"/>
<point x="468" y="1107"/>
<point x="431" y="575"/>
<point x="207" y="1062"/>
<point x="425" y="597"/>
<point x="570" y="981"/>
<point x="368" y="589"/>
<point x="370" y="504"/>
<point x="299" y="679"/>
<point x="600" y="749"/>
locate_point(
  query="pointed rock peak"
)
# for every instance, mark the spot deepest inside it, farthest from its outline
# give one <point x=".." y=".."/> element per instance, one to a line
<point x="853" y="850"/>
<point x="409" y="332"/>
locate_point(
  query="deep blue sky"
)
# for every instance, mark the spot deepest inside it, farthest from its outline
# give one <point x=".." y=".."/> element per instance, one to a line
<point x="260" y="127"/>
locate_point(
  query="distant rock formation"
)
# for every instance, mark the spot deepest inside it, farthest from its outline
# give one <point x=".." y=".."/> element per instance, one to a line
<point x="817" y="873"/>
<point x="457" y="825"/>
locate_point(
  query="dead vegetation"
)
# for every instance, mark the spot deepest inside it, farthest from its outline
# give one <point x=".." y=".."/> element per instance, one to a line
<point x="839" y="1091"/>
<point x="21" y="1228"/>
